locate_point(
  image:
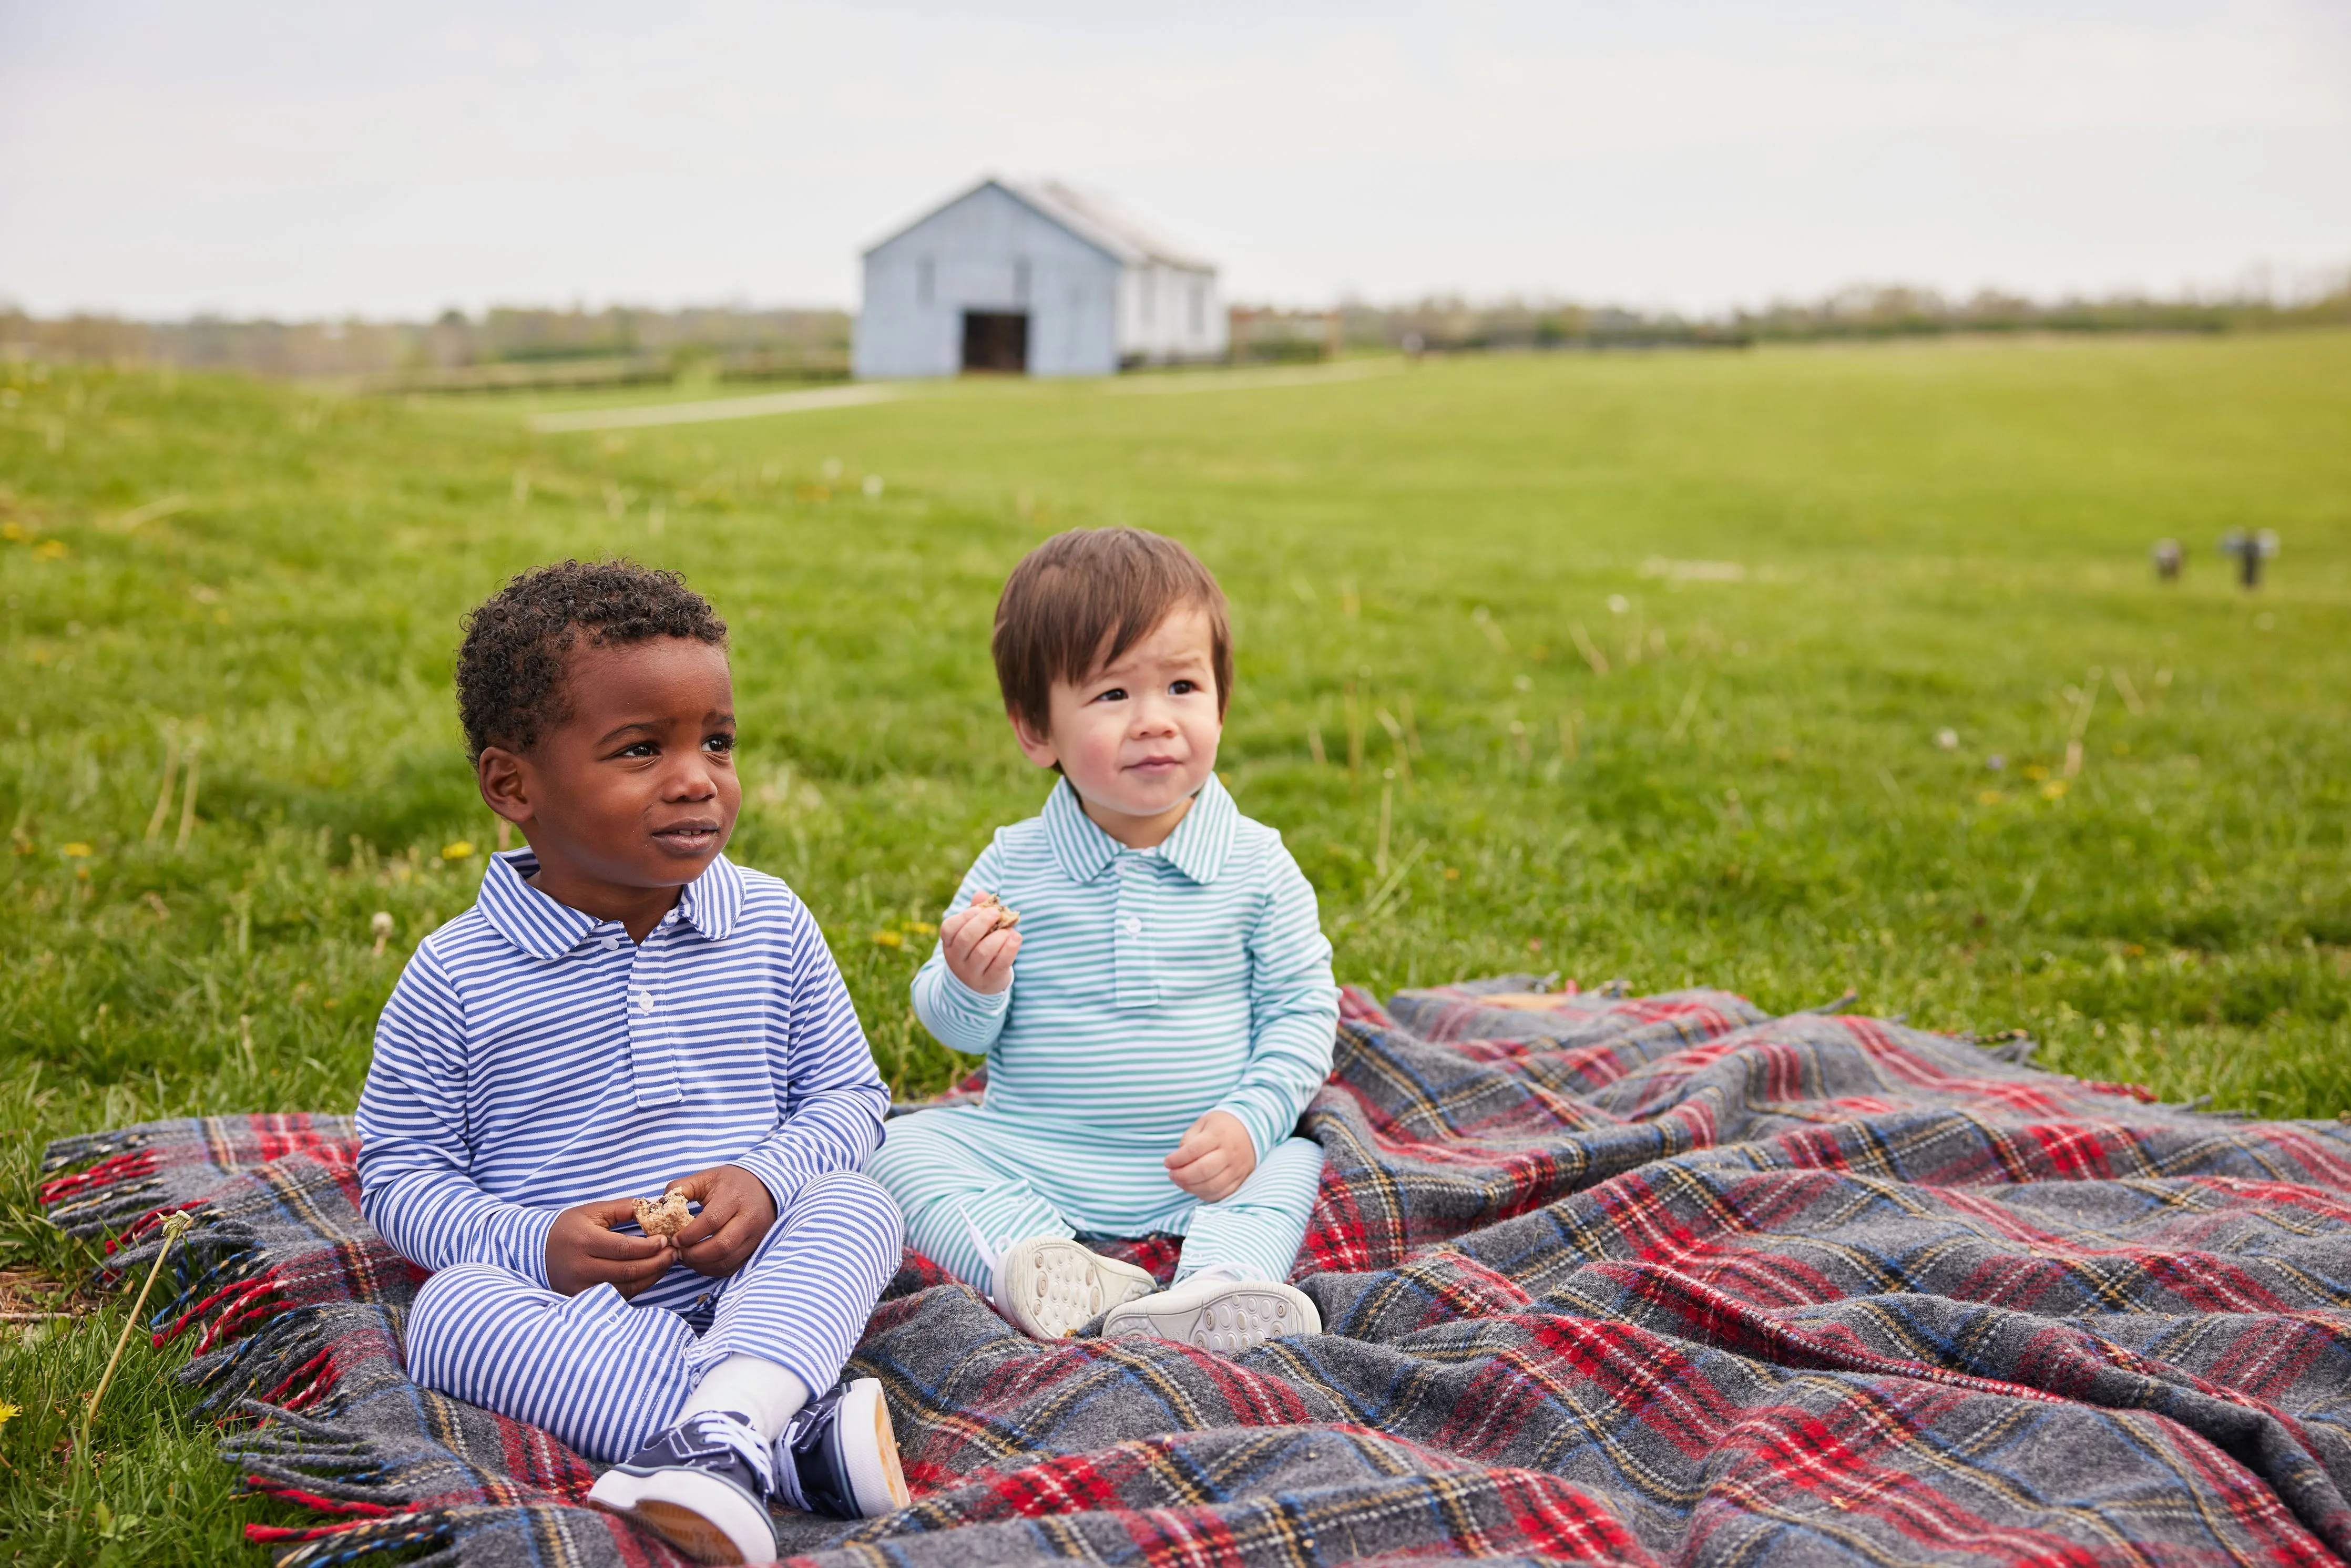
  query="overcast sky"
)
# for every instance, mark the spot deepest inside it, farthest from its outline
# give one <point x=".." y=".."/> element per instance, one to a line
<point x="295" y="160"/>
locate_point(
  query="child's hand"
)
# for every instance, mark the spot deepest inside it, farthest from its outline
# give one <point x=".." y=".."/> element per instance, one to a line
<point x="1214" y="1158"/>
<point x="978" y="954"/>
<point x="583" y="1249"/>
<point x="736" y="1215"/>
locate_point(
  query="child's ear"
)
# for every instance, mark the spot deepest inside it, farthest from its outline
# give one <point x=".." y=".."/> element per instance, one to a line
<point x="505" y="784"/>
<point x="1037" y="748"/>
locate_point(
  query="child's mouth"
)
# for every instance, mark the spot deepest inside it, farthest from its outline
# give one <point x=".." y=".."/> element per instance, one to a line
<point x="687" y="838"/>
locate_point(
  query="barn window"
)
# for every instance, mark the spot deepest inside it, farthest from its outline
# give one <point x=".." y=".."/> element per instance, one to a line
<point x="1199" y="308"/>
<point x="926" y="280"/>
<point x="1021" y="280"/>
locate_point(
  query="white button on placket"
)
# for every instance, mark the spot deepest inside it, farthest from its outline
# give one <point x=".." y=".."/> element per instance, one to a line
<point x="1133" y="925"/>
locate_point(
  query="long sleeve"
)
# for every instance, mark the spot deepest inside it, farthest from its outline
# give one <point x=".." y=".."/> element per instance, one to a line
<point x="833" y="1097"/>
<point x="415" y="1183"/>
<point x="1293" y="1009"/>
<point x="962" y="1018"/>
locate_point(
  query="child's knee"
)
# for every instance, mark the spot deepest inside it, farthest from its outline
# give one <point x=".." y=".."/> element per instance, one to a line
<point x="856" y="1208"/>
<point x="912" y="1145"/>
<point x="453" y="1304"/>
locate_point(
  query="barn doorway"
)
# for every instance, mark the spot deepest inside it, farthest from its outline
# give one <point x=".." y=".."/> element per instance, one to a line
<point x="996" y="341"/>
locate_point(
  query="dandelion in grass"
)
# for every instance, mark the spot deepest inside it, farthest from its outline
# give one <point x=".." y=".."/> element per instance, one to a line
<point x="381" y="923"/>
<point x="78" y="852"/>
<point x="872" y="487"/>
<point x="2054" y="790"/>
<point x="462" y="850"/>
<point x="888" y="939"/>
<point x="1948" y="739"/>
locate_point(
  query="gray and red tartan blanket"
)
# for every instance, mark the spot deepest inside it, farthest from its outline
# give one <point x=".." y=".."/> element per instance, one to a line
<point x="1603" y="1279"/>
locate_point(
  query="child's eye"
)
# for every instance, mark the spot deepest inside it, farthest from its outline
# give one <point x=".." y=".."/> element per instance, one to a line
<point x="641" y="749"/>
<point x="1184" y="688"/>
<point x="1115" y="695"/>
<point x="721" y="744"/>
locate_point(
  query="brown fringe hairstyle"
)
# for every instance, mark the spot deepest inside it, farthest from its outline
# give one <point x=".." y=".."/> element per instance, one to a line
<point x="1082" y="598"/>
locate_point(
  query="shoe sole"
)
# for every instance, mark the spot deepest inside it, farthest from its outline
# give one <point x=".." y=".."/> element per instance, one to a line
<point x="1039" y="1277"/>
<point x="1239" y="1316"/>
<point x="688" y="1511"/>
<point x="875" y="1476"/>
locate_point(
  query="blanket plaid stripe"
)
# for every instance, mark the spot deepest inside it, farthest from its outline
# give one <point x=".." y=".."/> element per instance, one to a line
<point x="1604" y="1278"/>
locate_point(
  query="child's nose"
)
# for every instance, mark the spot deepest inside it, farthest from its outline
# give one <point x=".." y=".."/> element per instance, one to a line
<point x="692" y="781"/>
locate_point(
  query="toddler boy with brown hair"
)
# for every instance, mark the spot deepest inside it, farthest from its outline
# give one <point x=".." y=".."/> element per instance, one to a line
<point x="1172" y="1008"/>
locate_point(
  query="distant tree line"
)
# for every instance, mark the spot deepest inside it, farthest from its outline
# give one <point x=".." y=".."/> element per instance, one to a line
<point x="504" y="346"/>
<point x="1456" y="325"/>
<point x="515" y="346"/>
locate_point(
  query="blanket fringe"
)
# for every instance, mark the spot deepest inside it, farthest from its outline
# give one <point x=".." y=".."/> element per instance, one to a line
<point x="319" y="1546"/>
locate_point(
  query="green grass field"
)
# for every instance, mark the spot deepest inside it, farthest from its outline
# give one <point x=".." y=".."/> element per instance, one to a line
<point x="1796" y="567"/>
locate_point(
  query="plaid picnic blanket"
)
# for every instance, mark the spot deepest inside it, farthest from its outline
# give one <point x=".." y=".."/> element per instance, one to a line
<point x="1605" y="1279"/>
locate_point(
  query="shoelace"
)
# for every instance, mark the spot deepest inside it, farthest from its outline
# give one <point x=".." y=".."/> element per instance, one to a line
<point x="787" y="1488"/>
<point x="717" y="1431"/>
<point x="1237" y="1273"/>
<point x="991" y="1256"/>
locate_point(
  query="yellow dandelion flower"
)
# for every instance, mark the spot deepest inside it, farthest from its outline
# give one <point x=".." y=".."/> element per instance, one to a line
<point x="78" y="852"/>
<point x="922" y="929"/>
<point x="458" y="851"/>
<point x="1989" y="797"/>
<point x="51" y="550"/>
<point x="889" y="939"/>
<point x="2054" y="790"/>
<point x="6" y="1410"/>
<point x="2034" y="770"/>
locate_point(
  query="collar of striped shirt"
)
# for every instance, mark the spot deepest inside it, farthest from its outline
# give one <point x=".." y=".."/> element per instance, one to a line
<point x="1198" y="847"/>
<point x="543" y="928"/>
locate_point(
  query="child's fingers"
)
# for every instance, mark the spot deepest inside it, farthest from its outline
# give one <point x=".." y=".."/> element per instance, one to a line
<point x="610" y="1212"/>
<point x="1201" y="1165"/>
<point x="996" y="950"/>
<point x="619" y="1246"/>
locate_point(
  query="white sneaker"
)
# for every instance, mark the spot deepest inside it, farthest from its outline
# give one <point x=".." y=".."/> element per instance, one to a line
<point x="1218" y="1313"/>
<point x="1051" y="1287"/>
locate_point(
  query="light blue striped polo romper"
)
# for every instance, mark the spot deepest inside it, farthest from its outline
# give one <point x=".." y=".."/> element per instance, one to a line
<point x="1153" y="986"/>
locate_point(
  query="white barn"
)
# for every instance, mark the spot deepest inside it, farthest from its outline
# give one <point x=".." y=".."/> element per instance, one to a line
<point x="1041" y="279"/>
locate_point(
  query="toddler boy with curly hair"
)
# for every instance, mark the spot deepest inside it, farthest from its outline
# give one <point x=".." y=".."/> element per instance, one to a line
<point x="625" y="1011"/>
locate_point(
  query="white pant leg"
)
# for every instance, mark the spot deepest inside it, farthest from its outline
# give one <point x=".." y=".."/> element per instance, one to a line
<point x="603" y="1376"/>
<point x="802" y="1300"/>
<point x="1259" y="1228"/>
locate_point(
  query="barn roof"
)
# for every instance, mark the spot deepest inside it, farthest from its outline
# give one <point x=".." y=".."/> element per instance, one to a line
<point x="1093" y="217"/>
<point x="1088" y="214"/>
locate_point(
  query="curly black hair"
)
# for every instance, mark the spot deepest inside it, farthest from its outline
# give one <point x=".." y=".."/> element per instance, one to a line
<point x="510" y="667"/>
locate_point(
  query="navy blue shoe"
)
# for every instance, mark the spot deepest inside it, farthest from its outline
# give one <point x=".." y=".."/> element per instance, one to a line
<point x="702" y="1486"/>
<point x="838" y="1457"/>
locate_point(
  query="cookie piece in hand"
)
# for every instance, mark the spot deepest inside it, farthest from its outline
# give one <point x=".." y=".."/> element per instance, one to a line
<point x="662" y="1215"/>
<point x="1006" y="919"/>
